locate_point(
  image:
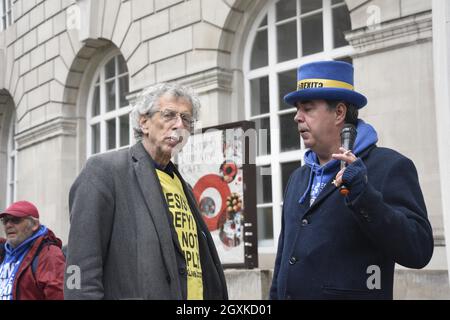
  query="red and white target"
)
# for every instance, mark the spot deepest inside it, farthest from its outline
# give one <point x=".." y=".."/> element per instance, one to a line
<point x="211" y="193"/>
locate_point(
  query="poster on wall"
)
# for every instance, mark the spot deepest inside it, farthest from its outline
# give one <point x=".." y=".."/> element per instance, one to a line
<point x="219" y="164"/>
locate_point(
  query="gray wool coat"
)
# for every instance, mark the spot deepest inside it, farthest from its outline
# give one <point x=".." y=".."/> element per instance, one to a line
<point x="122" y="238"/>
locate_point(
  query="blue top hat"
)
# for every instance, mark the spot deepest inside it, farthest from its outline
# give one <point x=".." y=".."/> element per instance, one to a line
<point x="327" y="80"/>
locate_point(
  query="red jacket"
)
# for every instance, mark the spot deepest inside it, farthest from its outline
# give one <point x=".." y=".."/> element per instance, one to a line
<point x="47" y="282"/>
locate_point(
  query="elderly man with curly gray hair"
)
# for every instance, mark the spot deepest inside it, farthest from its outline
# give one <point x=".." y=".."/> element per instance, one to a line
<point x="136" y="232"/>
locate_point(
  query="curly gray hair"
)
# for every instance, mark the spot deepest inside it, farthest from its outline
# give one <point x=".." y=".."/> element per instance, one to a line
<point x="147" y="102"/>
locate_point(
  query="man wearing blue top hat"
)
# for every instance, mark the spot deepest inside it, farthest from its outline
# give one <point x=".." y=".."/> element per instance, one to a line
<point x="335" y="246"/>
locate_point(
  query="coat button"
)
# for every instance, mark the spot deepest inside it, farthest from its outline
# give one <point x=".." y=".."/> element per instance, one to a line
<point x="292" y="260"/>
<point x="305" y="222"/>
<point x="182" y="270"/>
<point x="365" y="214"/>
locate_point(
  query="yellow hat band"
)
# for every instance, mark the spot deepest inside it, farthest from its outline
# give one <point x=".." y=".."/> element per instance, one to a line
<point x="322" y="83"/>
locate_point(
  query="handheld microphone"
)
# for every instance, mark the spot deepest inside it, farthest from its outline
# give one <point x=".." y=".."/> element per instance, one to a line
<point x="348" y="137"/>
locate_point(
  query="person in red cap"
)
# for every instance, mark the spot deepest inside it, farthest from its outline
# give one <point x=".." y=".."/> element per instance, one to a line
<point x="31" y="260"/>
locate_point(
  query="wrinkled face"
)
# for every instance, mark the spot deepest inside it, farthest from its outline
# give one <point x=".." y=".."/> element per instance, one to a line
<point x="167" y="130"/>
<point x="316" y="124"/>
<point x="18" y="229"/>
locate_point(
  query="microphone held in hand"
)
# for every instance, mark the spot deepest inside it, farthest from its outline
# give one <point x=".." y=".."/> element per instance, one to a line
<point x="348" y="137"/>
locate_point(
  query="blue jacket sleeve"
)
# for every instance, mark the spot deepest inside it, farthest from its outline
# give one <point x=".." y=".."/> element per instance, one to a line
<point x="394" y="217"/>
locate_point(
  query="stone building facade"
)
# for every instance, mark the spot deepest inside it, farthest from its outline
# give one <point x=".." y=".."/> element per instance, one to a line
<point x="69" y="71"/>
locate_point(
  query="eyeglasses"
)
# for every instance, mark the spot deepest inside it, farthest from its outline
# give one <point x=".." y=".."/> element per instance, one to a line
<point x="169" y="115"/>
<point x="13" y="220"/>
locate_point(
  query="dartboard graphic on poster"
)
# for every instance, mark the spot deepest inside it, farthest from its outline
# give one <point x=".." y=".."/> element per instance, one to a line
<point x="213" y="163"/>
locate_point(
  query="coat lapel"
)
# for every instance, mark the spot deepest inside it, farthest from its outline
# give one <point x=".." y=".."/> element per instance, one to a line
<point x="156" y="204"/>
<point x="301" y="190"/>
<point x="326" y="192"/>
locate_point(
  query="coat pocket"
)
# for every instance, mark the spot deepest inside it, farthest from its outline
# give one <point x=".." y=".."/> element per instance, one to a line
<point x="346" y="293"/>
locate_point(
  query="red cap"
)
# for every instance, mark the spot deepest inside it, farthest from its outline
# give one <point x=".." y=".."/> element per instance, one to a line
<point x="21" y="209"/>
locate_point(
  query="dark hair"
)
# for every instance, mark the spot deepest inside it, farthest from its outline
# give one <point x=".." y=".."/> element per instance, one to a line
<point x="352" y="111"/>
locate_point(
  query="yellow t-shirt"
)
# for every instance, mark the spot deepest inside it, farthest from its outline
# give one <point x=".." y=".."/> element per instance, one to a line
<point x="186" y="228"/>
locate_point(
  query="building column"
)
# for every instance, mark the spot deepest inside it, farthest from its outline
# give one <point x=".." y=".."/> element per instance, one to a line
<point x="441" y="57"/>
<point x="47" y="165"/>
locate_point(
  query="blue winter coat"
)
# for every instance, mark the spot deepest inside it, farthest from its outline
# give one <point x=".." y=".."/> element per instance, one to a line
<point x="331" y="250"/>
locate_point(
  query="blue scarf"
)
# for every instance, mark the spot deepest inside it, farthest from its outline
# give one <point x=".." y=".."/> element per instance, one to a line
<point x="321" y="175"/>
<point x="12" y="261"/>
